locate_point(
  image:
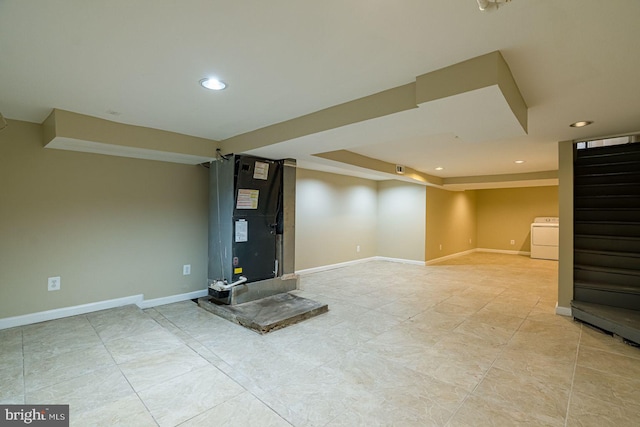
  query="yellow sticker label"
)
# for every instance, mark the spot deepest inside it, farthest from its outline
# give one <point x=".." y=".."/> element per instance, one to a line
<point x="237" y="270"/>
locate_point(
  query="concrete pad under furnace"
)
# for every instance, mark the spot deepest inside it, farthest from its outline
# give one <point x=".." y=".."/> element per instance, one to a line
<point x="267" y="314"/>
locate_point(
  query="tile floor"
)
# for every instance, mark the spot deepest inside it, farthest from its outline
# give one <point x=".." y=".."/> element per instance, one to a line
<point x="470" y="341"/>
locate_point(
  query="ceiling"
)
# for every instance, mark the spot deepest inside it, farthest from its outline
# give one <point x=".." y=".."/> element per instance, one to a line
<point x="139" y="63"/>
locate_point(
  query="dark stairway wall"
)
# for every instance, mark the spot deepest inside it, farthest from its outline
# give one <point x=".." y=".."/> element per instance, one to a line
<point x="607" y="226"/>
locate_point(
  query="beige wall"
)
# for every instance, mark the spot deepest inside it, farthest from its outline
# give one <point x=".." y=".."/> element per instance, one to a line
<point x="110" y="227"/>
<point x="401" y="225"/>
<point x="450" y="222"/>
<point x="334" y="214"/>
<point x="506" y="214"/>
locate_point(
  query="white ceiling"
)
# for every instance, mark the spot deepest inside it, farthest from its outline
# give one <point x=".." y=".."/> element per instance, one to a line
<point x="139" y="62"/>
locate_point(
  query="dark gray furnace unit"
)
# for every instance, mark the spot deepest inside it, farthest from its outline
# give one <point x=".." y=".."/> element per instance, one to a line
<point x="251" y="228"/>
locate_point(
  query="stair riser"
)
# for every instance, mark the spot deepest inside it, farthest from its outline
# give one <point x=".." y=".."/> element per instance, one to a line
<point x="615" y="299"/>
<point x="607" y="190"/>
<point x="623" y="178"/>
<point x="580" y="275"/>
<point x="613" y="202"/>
<point x="607" y="215"/>
<point x="603" y="229"/>
<point x="582" y="160"/>
<point x="607" y="244"/>
<point x="603" y="260"/>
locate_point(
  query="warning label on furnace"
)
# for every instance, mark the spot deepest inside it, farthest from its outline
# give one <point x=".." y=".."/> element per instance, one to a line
<point x="261" y="171"/>
<point x="242" y="231"/>
<point x="247" y="199"/>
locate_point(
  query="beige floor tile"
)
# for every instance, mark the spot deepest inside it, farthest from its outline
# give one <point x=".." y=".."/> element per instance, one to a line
<point x="610" y="363"/>
<point x="446" y="307"/>
<point x="470" y="301"/>
<point x="319" y="397"/>
<point x="86" y="392"/>
<point x="599" y="340"/>
<point x="459" y="370"/>
<point x="10" y="340"/>
<point x="562" y="349"/>
<point x="373" y="322"/>
<point x="64" y="327"/>
<point x="406" y="307"/>
<point x="126" y="327"/>
<point x="469" y="347"/>
<point x="160" y="367"/>
<point x="12" y="384"/>
<point x="319" y="349"/>
<point x="432" y="320"/>
<point x="611" y="388"/>
<point x="491" y="334"/>
<point x="504" y="321"/>
<point x="186" y="396"/>
<point x="586" y="411"/>
<point x="515" y="308"/>
<point x="372" y="300"/>
<point x="559" y="327"/>
<point x="402" y="344"/>
<point x="16" y="399"/>
<point x="64" y="341"/>
<point x="548" y="370"/>
<point x="269" y="369"/>
<point x="240" y="411"/>
<point x="478" y="412"/>
<point x="524" y="396"/>
<point x="125" y="412"/>
<point x="45" y="371"/>
<point x="11" y="357"/>
<point x="233" y="346"/>
<point x="470" y="341"/>
<point x="143" y="345"/>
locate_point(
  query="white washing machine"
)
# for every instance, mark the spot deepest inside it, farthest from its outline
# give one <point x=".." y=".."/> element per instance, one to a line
<point x="545" y="237"/>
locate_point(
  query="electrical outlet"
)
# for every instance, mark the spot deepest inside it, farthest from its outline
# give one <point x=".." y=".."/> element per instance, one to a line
<point x="358" y="248"/>
<point x="469" y="240"/>
<point x="513" y="242"/>
<point x="440" y="246"/>
<point x="53" y="283"/>
<point x="186" y="269"/>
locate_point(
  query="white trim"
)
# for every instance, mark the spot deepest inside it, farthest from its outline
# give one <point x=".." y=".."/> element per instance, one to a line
<point x="58" y="313"/>
<point x="400" y="260"/>
<point x="333" y="266"/>
<point x="446" y="257"/>
<point x="563" y="311"/>
<point x="503" y="251"/>
<point x="172" y="298"/>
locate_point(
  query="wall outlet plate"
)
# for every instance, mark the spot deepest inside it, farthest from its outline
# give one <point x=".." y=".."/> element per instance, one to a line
<point x="186" y="269"/>
<point x="53" y="283"/>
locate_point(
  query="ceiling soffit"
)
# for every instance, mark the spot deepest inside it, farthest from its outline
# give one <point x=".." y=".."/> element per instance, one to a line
<point x="476" y="100"/>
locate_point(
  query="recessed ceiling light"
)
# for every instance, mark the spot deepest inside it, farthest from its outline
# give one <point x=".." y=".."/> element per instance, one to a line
<point x="439" y="168"/>
<point x="580" y="124"/>
<point x="519" y="162"/>
<point x="212" y="83"/>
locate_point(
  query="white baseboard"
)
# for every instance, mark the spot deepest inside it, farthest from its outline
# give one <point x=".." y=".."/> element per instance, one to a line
<point x="400" y="260"/>
<point x="446" y="257"/>
<point x="333" y="266"/>
<point x="59" y="313"/>
<point x="503" y="251"/>
<point x="563" y="311"/>
<point x="147" y="303"/>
